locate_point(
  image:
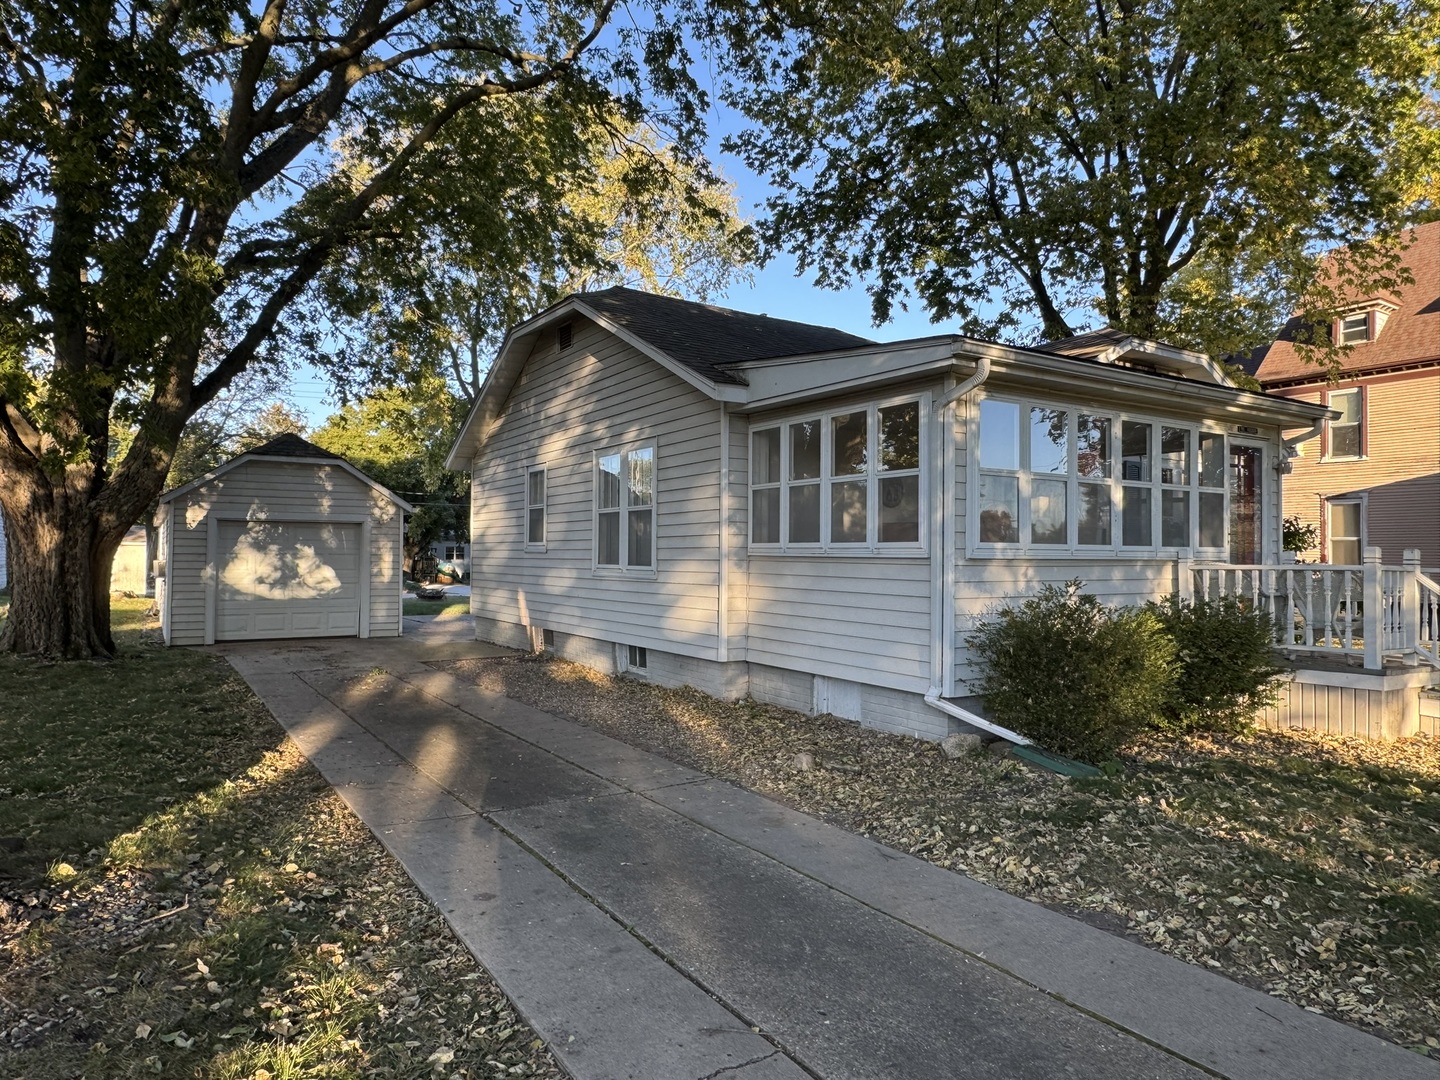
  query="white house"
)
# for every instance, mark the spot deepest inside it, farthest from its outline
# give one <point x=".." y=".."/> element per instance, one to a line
<point x="751" y="505"/>
<point x="283" y="541"/>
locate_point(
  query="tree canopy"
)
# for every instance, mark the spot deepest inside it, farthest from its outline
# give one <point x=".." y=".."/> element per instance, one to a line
<point x="175" y="177"/>
<point x="625" y="208"/>
<point x="400" y="437"/>
<point x="1028" y="166"/>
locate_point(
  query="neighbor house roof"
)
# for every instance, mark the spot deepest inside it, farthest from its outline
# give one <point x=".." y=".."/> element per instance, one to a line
<point x="1409" y="338"/>
<point x="287" y="447"/>
<point x="706" y="338"/>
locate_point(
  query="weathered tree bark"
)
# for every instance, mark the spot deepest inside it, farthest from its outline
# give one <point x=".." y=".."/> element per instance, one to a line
<point x="63" y="532"/>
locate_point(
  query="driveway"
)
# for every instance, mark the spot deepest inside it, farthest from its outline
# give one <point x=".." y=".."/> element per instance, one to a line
<point x="652" y="922"/>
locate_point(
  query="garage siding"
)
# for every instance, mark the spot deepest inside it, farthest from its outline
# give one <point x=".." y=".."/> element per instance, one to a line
<point x="297" y="491"/>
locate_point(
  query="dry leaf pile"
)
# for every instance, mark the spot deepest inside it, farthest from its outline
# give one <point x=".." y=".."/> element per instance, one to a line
<point x="1302" y="864"/>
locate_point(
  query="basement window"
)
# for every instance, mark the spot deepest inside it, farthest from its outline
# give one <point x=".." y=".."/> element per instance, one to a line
<point x="635" y="657"/>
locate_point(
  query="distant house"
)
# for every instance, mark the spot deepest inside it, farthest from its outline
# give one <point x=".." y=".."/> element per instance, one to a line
<point x="130" y="569"/>
<point x="454" y="552"/>
<point x="1373" y="476"/>
<point x="757" y="506"/>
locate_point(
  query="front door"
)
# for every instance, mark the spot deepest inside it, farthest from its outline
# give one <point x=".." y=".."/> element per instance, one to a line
<point x="1247" y="504"/>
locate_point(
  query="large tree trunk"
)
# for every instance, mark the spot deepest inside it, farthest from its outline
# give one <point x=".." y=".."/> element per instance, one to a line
<point x="60" y="563"/>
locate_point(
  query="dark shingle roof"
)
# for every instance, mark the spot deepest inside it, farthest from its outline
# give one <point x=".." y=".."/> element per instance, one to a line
<point x="289" y="445"/>
<point x="706" y="338"/>
<point x="1086" y="345"/>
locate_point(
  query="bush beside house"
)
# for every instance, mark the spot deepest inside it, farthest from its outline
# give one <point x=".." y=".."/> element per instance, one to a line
<point x="1086" y="680"/>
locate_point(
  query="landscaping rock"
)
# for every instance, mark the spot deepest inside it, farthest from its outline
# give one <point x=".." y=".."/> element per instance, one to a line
<point x="961" y="745"/>
<point x="804" y="761"/>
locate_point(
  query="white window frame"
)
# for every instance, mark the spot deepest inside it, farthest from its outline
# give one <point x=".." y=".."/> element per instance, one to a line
<point x="1072" y="548"/>
<point x="1346" y="500"/>
<point x="872" y="477"/>
<point x="543" y="506"/>
<point x="1359" y="425"/>
<point x="625" y="509"/>
<point x="1346" y="324"/>
<point x="449" y="547"/>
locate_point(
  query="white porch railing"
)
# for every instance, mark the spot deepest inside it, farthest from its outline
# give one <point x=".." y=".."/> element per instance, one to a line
<point x="1369" y="611"/>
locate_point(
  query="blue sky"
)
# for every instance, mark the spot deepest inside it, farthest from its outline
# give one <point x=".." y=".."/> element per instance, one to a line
<point x="776" y="289"/>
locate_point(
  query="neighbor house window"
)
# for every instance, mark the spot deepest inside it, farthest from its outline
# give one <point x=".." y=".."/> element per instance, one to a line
<point x="1345" y="535"/>
<point x="453" y="552"/>
<point x="1345" y="437"/>
<point x="1055" y="480"/>
<point x="1355" y="329"/>
<point x="847" y="481"/>
<point x="535" y="507"/>
<point x="625" y="509"/>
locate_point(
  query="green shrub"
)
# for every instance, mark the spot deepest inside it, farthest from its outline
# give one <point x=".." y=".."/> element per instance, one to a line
<point x="1225" y="651"/>
<point x="1077" y="677"/>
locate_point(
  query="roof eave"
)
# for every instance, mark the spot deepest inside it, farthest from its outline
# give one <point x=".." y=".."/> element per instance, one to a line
<point x="510" y="359"/>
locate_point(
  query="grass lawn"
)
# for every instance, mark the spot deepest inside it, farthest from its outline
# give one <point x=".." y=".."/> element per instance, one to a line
<point x="450" y="606"/>
<point x="1304" y="865"/>
<point x="191" y="899"/>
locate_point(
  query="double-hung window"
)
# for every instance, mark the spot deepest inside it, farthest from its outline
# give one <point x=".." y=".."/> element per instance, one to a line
<point x="1345" y="532"/>
<point x="1355" y="329"/>
<point x="1055" y="480"/>
<point x="625" y="509"/>
<point x="535" y="508"/>
<point x="1345" y="437"/>
<point x="846" y="482"/>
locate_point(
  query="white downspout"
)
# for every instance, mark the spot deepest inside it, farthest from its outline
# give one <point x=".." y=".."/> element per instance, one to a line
<point x="1304" y="436"/>
<point x="722" y="607"/>
<point x="943" y="678"/>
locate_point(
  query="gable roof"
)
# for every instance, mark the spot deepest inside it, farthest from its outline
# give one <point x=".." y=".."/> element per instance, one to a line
<point x="706" y="338"/>
<point x="755" y="361"/>
<point x="1111" y="346"/>
<point x="1410" y="337"/>
<point x="289" y="444"/>
<point x="291" y="448"/>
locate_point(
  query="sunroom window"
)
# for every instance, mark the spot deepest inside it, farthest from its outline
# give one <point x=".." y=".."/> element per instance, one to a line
<point x="1055" y="480"/>
<point x="847" y="481"/>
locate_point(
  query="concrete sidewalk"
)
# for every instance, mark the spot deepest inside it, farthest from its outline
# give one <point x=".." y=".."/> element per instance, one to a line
<point x="651" y="922"/>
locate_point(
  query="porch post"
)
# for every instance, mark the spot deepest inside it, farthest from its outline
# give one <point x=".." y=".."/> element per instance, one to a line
<point x="1410" y="605"/>
<point x="1374" y="605"/>
<point x="1184" y="576"/>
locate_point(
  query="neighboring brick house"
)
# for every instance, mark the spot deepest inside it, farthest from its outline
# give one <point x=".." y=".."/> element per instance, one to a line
<point x="1373" y="476"/>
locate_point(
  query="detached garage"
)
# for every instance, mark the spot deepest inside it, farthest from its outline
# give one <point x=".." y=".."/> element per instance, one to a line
<point x="283" y="541"/>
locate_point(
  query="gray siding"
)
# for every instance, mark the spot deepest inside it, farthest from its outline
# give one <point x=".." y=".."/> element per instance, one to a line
<point x="300" y="491"/>
<point x="865" y="619"/>
<point x="597" y="396"/>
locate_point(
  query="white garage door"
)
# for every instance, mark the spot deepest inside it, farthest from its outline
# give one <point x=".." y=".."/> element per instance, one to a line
<point x="281" y="579"/>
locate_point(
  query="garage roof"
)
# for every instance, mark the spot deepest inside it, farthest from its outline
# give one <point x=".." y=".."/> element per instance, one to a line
<point x="291" y="449"/>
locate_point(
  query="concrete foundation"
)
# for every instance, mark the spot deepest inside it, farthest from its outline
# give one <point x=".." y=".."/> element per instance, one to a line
<point x="879" y="707"/>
